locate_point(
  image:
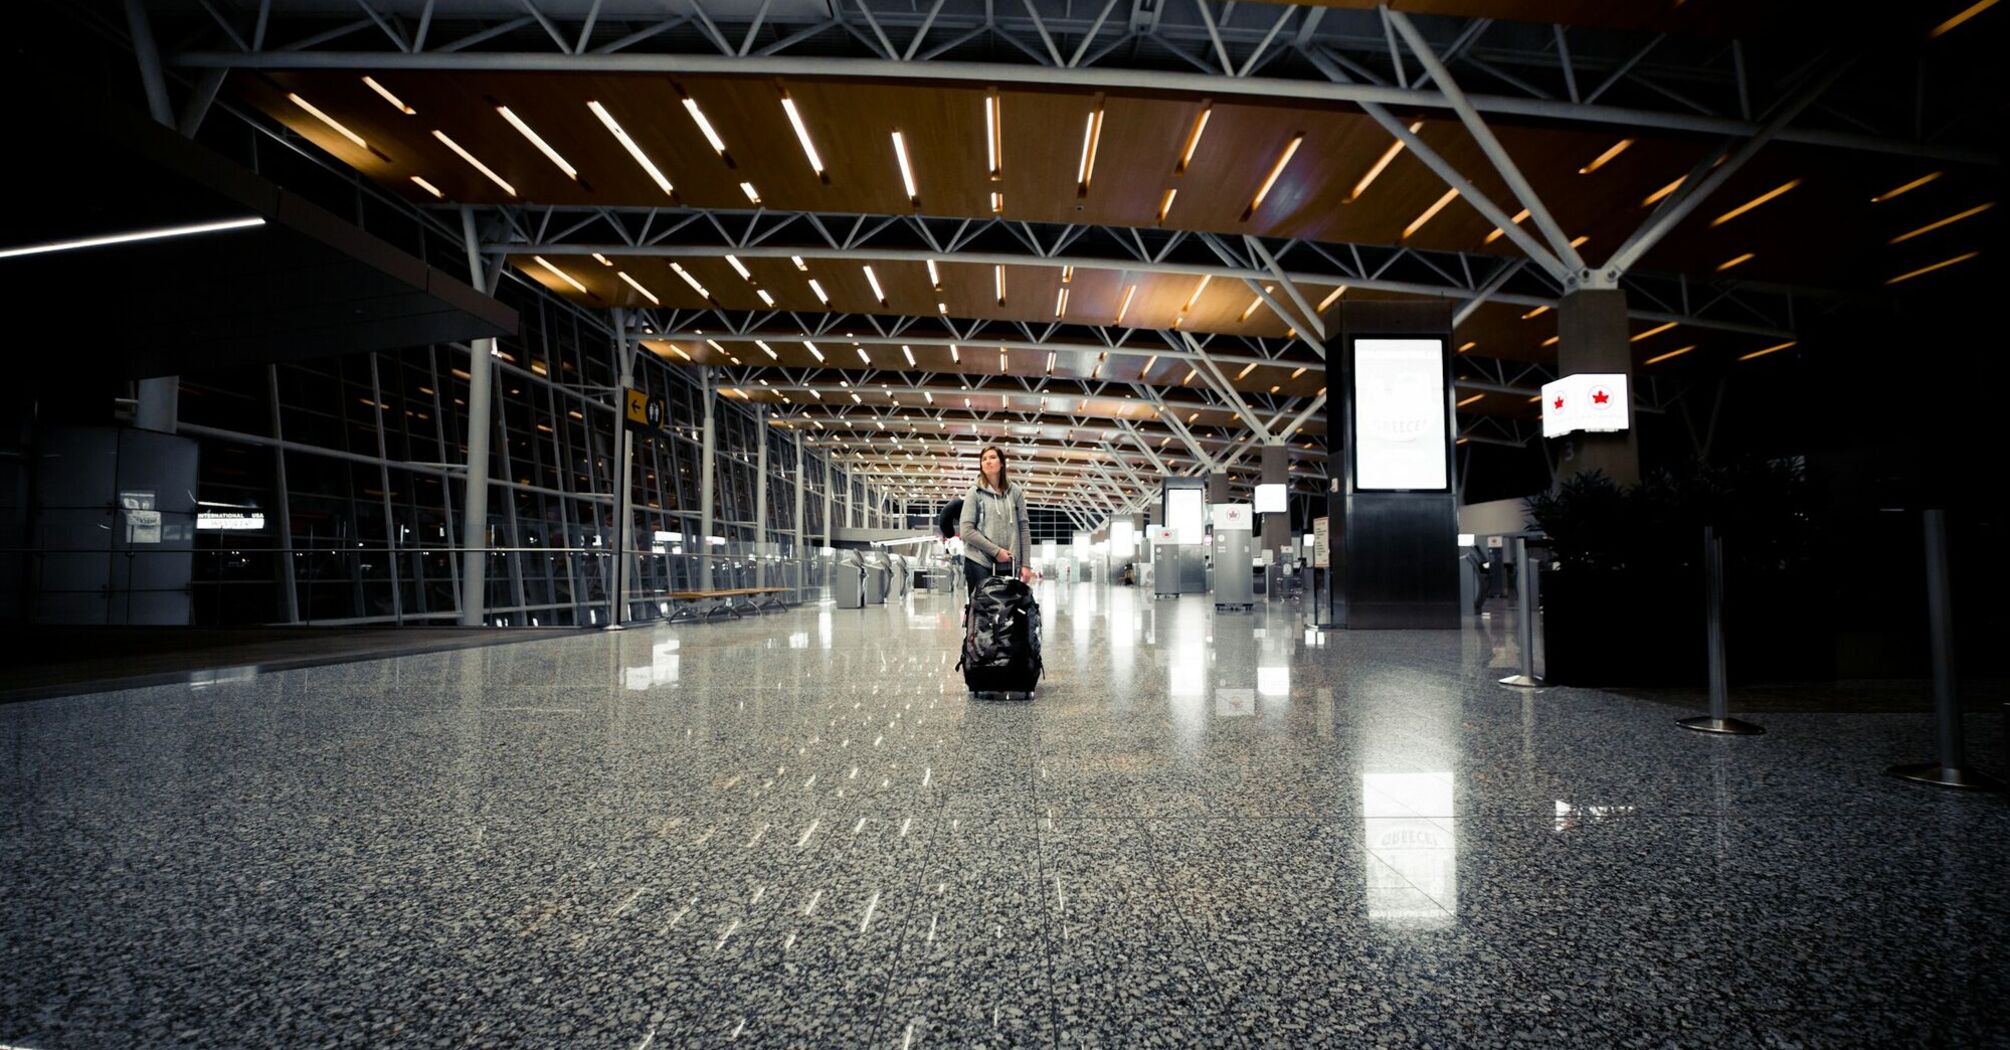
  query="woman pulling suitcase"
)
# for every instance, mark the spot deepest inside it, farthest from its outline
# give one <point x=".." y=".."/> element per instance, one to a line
<point x="1001" y="639"/>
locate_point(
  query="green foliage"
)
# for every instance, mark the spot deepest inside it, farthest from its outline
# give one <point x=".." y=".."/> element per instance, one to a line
<point x="1760" y="507"/>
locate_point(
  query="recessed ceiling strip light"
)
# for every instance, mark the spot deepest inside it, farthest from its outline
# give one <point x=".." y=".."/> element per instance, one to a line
<point x="739" y="267"/>
<point x="1376" y="171"/>
<point x="753" y="194"/>
<point x="538" y="141"/>
<point x="1975" y="9"/>
<point x="1907" y="188"/>
<point x="690" y="280"/>
<point x="601" y="259"/>
<point x="1092" y="136"/>
<point x="814" y="352"/>
<point x="477" y="164"/>
<point x="1753" y="203"/>
<point x="396" y="102"/>
<point x="1768" y="350"/>
<point x="1930" y="227"/>
<point x="1606" y="157"/>
<point x="1672" y="353"/>
<point x="906" y="169"/>
<point x="1535" y="313"/>
<point x="994" y="146"/>
<point x="428" y="187"/>
<point x="934" y="276"/>
<point x="955" y="354"/>
<point x="803" y="136"/>
<point x="1299" y="372"/>
<point x="998" y="278"/>
<point x="1195" y="295"/>
<point x="1061" y="303"/>
<point x="1470" y="400"/>
<point x="705" y="128"/>
<point x="328" y="120"/>
<point x="997" y="203"/>
<point x="1552" y="340"/>
<point x="1250" y="309"/>
<point x="1651" y="332"/>
<point x="1429" y="213"/>
<point x="872" y="279"/>
<point x="1271" y="179"/>
<point x="1498" y="232"/>
<point x="621" y="135"/>
<point x="160" y="233"/>
<point x="819" y="290"/>
<point x="1050" y="362"/>
<point x="1328" y="301"/>
<point x="1193" y="138"/>
<point x="1738" y="261"/>
<point x="1165" y="204"/>
<point x="765" y="297"/>
<point x="1246" y="369"/>
<point x="675" y="349"/>
<point x="560" y="274"/>
<point x="768" y="350"/>
<point x="646" y="293"/>
<point x="1126" y="306"/>
<point x="1936" y="266"/>
<point x="907" y="352"/>
<point x="862" y="356"/>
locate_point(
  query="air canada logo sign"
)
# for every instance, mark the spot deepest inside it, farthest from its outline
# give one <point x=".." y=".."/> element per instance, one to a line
<point x="1595" y="402"/>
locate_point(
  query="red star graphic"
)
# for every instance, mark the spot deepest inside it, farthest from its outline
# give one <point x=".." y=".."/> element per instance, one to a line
<point x="1599" y="397"/>
<point x="1559" y="401"/>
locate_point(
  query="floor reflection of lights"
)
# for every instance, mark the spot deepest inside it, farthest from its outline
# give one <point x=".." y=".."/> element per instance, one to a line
<point x="1412" y="844"/>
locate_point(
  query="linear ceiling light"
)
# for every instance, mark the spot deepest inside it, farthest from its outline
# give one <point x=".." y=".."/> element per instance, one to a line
<point x="1605" y="158"/>
<point x="1194" y="296"/>
<point x="1429" y="212"/>
<point x="1467" y="346"/>
<point x="803" y="136"/>
<point x="814" y="352"/>
<point x="1193" y="138"/>
<point x="1125" y="307"/>
<point x="1470" y="400"/>
<point x="998" y="279"/>
<point x="1250" y="309"/>
<point x="601" y="259"/>
<point x="739" y="268"/>
<point x="819" y="290"/>
<point x="907" y="352"/>
<point x="1535" y="313"/>
<point x="1271" y="179"/>
<point x="1672" y="353"/>
<point x="1931" y="226"/>
<point x="955" y="354"/>
<point x="621" y="135"/>
<point x="1936" y="266"/>
<point x="1299" y="372"/>
<point x="1246" y="369"/>
<point x="1907" y="188"/>
<point x="705" y="128"/>
<point x="646" y="293"/>
<point x="328" y="120"/>
<point x="714" y="344"/>
<point x="862" y="356"/>
<point x="1003" y="362"/>
<point x="1190" y="373"/>
<point x="1768" y="350"/>
<point x="1050" y="362"/>
<point x="994" y="146"/>
<point x="1499" y="233"/>
<point x="1753" y="203"/>
<point x="934" y="276"/>
<point x="477" y="164"/>
<point x="768" y="350"/>
<point x="428" y="187"/>
<point x="1330" y="297"/>
<point x="160" y="233"/>
<point x="1376" y="171"/>
<point x="1664" y="191"/>
<point x="675" y="349"/>
<point x="538" y="141"/>
<point x="1977" y="8"/>
<point x="560" y="274"/>
<point x="1165" y="204"/>
<point x="753" y="195"/>
<point x="1738" y="261"/>
<point x="396" y="102"/>
<point x="872" y="279"/>
<point x="1092" y="136"/>
<point x="766" y="299"/>
<point x="690" y="280"/>
<point x="1552" y="340"/>
<point x="997" y="203"/>
<point x="1651" y="332"/>
<point x="906" y="169"/>
<point x="1061" y="303"/>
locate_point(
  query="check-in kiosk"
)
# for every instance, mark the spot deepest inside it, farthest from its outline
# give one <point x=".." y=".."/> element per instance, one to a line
<point x="1232" y="532"/>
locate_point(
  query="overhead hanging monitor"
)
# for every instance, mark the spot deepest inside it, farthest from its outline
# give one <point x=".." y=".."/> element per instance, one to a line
<point x="1270" y="498"/>
<point x="1399" y="415"/>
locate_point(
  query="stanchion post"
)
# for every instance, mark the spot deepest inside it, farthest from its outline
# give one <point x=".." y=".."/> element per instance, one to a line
<point x="1951" y="770"/>
<point x="1525" y="607"/>
<point x="1719" y="719"/>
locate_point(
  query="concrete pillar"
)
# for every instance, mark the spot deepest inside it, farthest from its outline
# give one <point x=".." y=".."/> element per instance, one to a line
<point x="625" y="561"/>
<point x="1217" y="488"/>
<point x="830" y="497"/>
<point x="761" y="497"/>
<point x="475" y="500"/>
<point x="1594" y="337"/>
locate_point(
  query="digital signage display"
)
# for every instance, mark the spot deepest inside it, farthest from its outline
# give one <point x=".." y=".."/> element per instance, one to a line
<point x="1399" y="415"/>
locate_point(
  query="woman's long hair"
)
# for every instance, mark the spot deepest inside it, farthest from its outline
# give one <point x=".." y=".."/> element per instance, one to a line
<point x="1004" y="468"/>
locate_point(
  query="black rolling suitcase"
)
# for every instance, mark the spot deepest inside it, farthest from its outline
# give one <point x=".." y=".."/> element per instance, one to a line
<point x="1001" y="640"/>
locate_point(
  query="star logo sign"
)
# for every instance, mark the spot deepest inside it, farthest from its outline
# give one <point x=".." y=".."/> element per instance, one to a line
<point x="1559" y="402"/>
<point x="1601" y="398"/>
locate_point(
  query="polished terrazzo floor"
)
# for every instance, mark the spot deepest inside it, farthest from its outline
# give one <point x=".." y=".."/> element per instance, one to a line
<point x="1209" y="830"/>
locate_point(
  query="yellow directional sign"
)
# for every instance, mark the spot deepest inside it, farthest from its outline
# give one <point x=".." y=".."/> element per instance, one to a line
<point x="640" y="411"/>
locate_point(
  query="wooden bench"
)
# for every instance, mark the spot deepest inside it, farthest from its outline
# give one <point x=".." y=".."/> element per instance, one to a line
<point x="702" y="605"/>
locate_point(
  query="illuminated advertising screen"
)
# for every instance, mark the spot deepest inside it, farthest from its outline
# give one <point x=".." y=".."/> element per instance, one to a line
<point x="1186" y="514"/>
<point x="1399" y="415"/>
<point x="1270" y="498"/>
